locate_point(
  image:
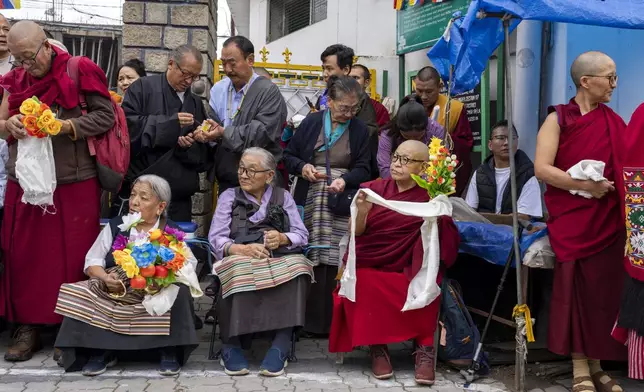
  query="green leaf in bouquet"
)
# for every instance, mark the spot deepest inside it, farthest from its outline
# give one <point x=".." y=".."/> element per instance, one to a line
<point x="420" y="181"/>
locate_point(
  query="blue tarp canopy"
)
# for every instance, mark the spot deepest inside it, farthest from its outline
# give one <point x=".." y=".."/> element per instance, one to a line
<point x="471" y="41"/>
<point x="493" y="243"/>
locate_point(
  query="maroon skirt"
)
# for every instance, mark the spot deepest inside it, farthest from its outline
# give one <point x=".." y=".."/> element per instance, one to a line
<point x="43" y="250"/>
<point x="585" y="303"/>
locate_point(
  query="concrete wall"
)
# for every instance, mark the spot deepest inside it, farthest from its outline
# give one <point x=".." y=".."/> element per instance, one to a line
<point x="622" y="45"/>
<point x="367" y="26"/>
<point x="151" y="29"/>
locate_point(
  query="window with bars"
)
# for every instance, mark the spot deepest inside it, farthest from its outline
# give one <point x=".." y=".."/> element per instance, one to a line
<point x="288" y="16"/>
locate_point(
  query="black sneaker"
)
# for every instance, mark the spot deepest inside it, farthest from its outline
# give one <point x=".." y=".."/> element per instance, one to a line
<point x="169" y="365"/>
<point x="98" y="364"/>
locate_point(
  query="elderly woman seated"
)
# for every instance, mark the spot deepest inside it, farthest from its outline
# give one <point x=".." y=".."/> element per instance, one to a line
<point x="389" y="252"/>
<point x="102" y="322"/>
<point x="258" y="235"/>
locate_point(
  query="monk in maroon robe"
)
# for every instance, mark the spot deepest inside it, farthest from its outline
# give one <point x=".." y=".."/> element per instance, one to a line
<point x="44" y="250"/>
<point x="389" y="253"/>
<point x="587" y="235"/>
<point x="428" y="85"/>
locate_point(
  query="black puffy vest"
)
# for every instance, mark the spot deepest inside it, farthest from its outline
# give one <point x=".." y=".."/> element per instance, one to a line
<point x="486" y="183"/>
<point x="242" y="231"/>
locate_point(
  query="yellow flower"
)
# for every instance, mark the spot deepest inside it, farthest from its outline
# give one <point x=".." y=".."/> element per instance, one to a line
<point x="47" y="117"/>
<point x="29" y="106"/>
<point x="435" y="146"/>
<point x="130" y="268"/>
<point x="155" y="234"/>
<point x="126" y="261"/>
<point x="54" y="127"/>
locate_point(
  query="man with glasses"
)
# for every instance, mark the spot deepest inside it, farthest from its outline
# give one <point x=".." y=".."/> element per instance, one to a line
<point x="428" y="85"/>
<point x="489" y="190"/>
<point x="587" y="234"/>
<point x="249" y="112"/>
<point x="163" y="115"/>
<point x="34" y="270"/>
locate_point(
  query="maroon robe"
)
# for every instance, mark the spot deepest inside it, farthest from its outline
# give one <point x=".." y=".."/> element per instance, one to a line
<point x="587" y="236"/>
<point x="388" y="254"/>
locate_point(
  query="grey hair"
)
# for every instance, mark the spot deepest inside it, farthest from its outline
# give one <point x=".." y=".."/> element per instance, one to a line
<point x="179" y="52"/>
<point x="268" y="160"/>
<point x="160" y="187"/>
<point x="339" y="86"/>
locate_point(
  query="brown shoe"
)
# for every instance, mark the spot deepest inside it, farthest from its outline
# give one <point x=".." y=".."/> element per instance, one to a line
<point x="425" y="365"/>
<point x="24" y="344"/>
<point x="380" y="362"/>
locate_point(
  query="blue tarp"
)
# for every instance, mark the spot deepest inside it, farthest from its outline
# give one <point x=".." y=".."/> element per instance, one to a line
<point x="473" y="41"/>
<point x="493" y="242"/>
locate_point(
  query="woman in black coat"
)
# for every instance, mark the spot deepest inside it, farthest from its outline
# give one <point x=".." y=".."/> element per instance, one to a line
<point x="319" y="172"/>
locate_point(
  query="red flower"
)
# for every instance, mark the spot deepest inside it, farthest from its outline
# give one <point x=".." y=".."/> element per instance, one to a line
<point x="441" y="180"/>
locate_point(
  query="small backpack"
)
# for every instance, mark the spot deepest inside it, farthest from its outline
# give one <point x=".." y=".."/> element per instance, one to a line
<point x="111" y="149"/>
<point x="461" y="338"/>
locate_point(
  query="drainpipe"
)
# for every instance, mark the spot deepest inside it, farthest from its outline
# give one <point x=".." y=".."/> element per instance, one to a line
<point x="526" y="100"/>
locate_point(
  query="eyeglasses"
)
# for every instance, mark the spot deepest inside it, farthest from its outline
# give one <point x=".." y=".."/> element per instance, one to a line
<point x="251" y="173"/>
<point x="503" y="138"/>
<point x="186" y="75"/>
<point x="347" y="109"/>
<point x="30" y="61"/>
<point x="612" y="79"/>
<point x="404" y="160"/>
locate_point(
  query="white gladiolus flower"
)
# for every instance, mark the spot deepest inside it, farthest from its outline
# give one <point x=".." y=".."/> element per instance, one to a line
<point x="432" y="157"/>
<point x="452" y="189"/>
<point x="448" y="159"/>
<point x="453" y="157"/>
<point x="452" y="175"/>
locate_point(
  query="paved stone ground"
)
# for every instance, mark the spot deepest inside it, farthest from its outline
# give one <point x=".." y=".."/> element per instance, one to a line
<point x="315" y="371"/>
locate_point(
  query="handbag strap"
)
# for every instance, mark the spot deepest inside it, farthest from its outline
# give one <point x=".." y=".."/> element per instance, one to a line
<point x="326" y="151"/>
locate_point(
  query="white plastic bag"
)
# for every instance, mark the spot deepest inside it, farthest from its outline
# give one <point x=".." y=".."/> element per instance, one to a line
<point x="36" y="171"/>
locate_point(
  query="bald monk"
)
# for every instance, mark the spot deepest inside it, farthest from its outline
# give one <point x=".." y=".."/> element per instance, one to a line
<point x="428" y="85"/>
<point x="389" y="253"/>
<point x="587" y="235"/>
<point x="42" y="251"/>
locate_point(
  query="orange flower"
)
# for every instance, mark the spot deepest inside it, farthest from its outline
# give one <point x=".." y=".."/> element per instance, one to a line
<point x="155" y="234"/>
<point x="31" y="123"/>
<point x="450" y="168"/>
<point x="441" y="180"/>
<point x="176" y="263"/>
<point x="164" y="241"/>
<point x="43" y="107"/>
<point x="117" y="98"/>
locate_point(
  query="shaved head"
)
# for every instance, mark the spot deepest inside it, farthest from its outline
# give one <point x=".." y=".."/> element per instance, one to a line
<point x="26" y="30"/>
<point x="428" y="73"/>
<point x="416" y="149"/>
<point x="28" y="45"/>
<point x="590" y="64"/>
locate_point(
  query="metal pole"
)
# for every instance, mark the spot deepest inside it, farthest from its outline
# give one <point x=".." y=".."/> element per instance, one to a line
<point x="519" y="377"/>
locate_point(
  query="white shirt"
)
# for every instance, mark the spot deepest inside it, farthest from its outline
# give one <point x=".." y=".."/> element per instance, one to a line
<point x="103" y="245"/>
<point x="181" y="95"/>
<point x="529" y="202"/>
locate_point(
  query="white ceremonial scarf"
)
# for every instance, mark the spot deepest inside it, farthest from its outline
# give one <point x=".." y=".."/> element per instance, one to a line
<point x="423" y="288"/>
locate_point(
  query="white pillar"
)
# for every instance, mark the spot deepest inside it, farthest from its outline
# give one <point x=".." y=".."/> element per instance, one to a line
<point x="526" y="100"/>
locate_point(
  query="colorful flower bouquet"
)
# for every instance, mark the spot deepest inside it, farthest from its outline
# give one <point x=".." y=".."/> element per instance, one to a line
<point x="151" y="261"/>
<point x="39" y="120"/>
<point x="439" y="177"/>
